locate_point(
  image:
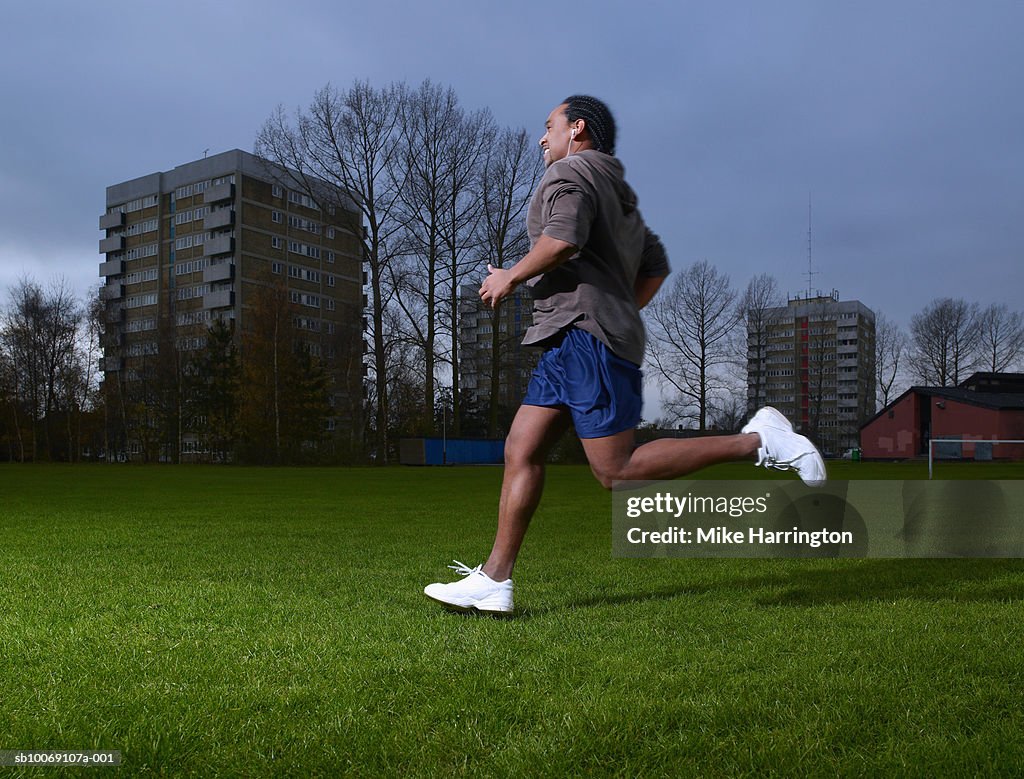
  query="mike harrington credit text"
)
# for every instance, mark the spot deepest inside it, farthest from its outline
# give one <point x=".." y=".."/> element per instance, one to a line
<point x="671" y="505"/>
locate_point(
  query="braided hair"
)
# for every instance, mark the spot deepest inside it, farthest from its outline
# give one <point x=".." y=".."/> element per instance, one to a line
<point x="600" y="122"/>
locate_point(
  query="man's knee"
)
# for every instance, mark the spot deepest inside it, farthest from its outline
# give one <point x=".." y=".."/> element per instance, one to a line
<point x="522" y="450"/>
<point x="610" y="457"/>
<point x="606" y="475"/>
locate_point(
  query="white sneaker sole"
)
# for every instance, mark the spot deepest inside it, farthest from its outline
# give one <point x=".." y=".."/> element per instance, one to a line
<point x="493" y="604"/>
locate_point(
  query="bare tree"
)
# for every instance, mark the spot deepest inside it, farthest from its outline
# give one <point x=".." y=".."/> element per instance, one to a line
<point x="404" y="361"/>
<point x="433" y="124"/>
<point x="511" y="172"/>
<point x="40" y="334"/>
<point x="350" y="139"/>
<point x="23" y="341"/>
<point x="758" y="310"/>
<point x="95" y="380"/>
<point x="9" y="401"/>
<point x="945" y="338"/>
<point x="690" y="324"/>
<point x="461" y="225"/>
<point x="891" y="347"/>
<point x="1001" y="338"/>
<point x="283" y="402"/>
<point x="61" y="321"/>
<point x="92" y="356"/>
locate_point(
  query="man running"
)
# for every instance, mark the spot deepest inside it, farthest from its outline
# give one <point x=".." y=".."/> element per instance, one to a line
<point x="592" y="266"/>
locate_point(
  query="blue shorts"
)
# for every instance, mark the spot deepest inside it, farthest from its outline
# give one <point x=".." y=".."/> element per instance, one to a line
<point x="603" y="392"/>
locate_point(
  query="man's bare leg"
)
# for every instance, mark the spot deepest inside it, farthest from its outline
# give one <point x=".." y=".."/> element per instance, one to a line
<point x="612" y="458"/>
<point x="534" y="431"/>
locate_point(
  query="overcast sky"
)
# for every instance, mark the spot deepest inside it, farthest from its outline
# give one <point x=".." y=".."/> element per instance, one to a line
<point x="903" y="121"/>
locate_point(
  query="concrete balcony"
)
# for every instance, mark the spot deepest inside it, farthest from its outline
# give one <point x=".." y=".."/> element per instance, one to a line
<point x="222" y="298"/>
<point x="225" y="217"/>
<point x="114" y="315"/>
<point x="222" y="244"/>
<point x="114" y="243"/>
<point x="218" y="193"/>
<point x="223" y="272"/>
<point x="110" y="221"/>
<point x="112" y="291"/>
<point x="113" y="364"/>
<point x="112" y="268"/>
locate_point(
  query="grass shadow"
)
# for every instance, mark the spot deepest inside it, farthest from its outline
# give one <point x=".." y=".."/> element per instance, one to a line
<point x="959" y="580"/>
<point x="975" y="581"/>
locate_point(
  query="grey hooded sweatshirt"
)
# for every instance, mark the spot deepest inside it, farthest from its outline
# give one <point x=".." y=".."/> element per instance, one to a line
<point x="584" y="200"/>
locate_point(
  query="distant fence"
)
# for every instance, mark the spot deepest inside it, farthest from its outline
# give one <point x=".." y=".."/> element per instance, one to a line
<point x="952" y="448"/>
<point x="450" y="451"/>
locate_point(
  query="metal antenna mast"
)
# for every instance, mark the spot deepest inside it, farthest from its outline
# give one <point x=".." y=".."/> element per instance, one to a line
<point x="811" y="273"/>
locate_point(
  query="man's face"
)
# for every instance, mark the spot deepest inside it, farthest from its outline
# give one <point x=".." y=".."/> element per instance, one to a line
<point x="555" y="142"/>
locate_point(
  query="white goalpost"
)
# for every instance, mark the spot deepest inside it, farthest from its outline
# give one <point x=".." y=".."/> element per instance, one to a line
<point x="933" y="441"/>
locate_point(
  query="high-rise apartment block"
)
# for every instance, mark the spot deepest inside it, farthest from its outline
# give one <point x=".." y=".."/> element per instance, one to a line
<point x="193" y="245"/>
<point x="482" y="348"/>
<point x="813" y="359"/>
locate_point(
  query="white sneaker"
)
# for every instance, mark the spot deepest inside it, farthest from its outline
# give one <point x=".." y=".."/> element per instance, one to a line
<point x="783" y="449"/>
<point x="476" y="592"/>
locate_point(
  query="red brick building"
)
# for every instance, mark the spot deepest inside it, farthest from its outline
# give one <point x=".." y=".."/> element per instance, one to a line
<point x="986" y="406"/>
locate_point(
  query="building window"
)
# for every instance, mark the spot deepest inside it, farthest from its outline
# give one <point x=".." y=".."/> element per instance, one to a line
<point x="276" y="216"/>
<point x="313" y="301"/>
<point x="278" y="191"/>
<point x="141" y="300"/>
<point x="302" y="200"/>
<point x="275" y="242"/>
<point x="277" y="267"/>
<point x="193" y="266"/>
<point x="141" y="251"/>
<point x="138" y="228"/>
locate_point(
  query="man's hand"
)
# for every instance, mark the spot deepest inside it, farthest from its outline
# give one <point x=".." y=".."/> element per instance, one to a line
<point x="498" y="285"/>
<point x="546" y="254"/>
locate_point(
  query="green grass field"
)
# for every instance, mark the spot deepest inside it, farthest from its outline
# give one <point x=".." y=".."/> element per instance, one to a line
<point x="270" y="622"/>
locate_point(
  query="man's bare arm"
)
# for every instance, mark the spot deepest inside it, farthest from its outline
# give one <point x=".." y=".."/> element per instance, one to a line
<point x="645" y="288"/>
<point x="546" y="254"/>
